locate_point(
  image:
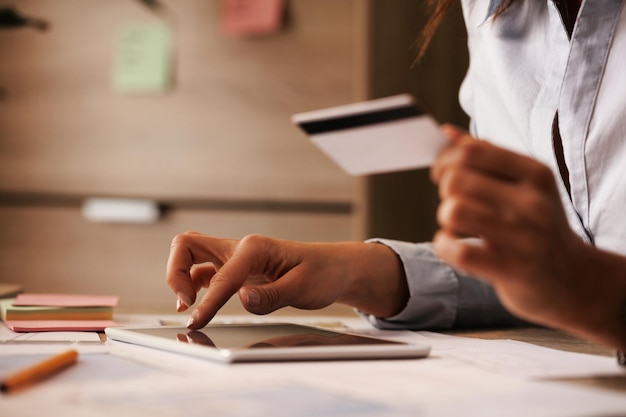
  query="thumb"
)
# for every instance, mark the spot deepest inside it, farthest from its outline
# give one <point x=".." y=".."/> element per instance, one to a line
<point x="452" y="132"/>
<point x="260" y="300"/>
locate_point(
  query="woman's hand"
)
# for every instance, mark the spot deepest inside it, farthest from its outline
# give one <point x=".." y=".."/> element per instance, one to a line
<point x="270" y="273"/>
<point x="502" y="220"/>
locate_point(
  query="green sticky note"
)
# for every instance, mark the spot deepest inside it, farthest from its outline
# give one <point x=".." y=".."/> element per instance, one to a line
<point x="144" y="60"/>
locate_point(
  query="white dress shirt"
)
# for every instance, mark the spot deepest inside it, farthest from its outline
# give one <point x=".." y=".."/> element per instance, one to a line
<point x="524" y="69"/>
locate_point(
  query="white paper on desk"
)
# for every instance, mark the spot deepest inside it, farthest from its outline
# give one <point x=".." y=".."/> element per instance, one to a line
<point x="166" y="384"/>
<point x="436" y="387"/>
<point x="376" y="136"/>
<point x="519" y="359"/>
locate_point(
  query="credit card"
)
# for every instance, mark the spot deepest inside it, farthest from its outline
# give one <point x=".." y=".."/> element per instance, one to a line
<point x="376" y="136"/>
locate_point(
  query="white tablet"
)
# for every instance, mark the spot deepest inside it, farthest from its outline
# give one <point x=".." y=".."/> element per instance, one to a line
<point x="257" y="342"/>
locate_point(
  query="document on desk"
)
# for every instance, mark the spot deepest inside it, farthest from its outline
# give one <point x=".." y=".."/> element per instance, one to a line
<point x="132" y="380"/>
<point x="519" y="359"/>
<point x="105" y="385"/>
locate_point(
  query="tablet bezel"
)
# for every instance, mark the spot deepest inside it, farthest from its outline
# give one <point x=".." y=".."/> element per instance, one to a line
<point x="392" y="350"/>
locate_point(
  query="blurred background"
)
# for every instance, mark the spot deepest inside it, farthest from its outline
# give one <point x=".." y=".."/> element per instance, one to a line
<point x="186" y="105"/>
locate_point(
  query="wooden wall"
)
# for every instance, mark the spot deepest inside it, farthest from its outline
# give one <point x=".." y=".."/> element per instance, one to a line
<point x="222" y="132"/>
<point x="217" y="149"/>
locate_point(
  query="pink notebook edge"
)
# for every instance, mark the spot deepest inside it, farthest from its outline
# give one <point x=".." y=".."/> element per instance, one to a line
<point x="65" y="300"/>
<point x="27" y="326"/>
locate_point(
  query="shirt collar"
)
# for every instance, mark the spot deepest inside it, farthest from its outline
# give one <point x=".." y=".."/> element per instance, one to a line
<point x="491" y="10"/>
<point x="493" y="6"/>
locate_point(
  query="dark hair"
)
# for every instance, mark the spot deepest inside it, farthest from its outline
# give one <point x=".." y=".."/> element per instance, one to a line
<point x="437" y="10"/>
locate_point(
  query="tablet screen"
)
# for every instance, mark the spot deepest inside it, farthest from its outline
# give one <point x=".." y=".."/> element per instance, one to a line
<point x="261" y="336"/>
<point x="265" y="341"/>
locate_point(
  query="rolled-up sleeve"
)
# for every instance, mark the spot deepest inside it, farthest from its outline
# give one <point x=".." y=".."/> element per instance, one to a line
<point x="440" y="297"/>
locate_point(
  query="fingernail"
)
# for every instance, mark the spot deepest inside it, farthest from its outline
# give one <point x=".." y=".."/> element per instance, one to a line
<point x="254" y="299"/>
<point x="183" y="302"/>
<point x="192" y="319"/>
<point x="451" y="132"/>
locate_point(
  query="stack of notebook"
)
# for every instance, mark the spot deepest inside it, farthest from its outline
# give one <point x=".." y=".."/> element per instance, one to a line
<point x="30" y="312"/>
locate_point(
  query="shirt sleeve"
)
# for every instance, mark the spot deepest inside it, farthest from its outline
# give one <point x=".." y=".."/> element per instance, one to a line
<point x="440" y="297"/>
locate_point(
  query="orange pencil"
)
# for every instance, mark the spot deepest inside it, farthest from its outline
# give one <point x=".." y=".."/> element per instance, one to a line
<point x="39" y="371"/>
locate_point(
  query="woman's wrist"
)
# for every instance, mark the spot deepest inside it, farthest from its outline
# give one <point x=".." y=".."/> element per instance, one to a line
<point x="377" y="281"/>
<point x="602" y="318"/>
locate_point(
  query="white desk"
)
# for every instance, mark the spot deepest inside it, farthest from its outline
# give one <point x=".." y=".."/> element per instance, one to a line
<point x="462" y="377"/>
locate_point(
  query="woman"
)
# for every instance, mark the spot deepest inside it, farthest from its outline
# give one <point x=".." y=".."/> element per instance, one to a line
<point x="534" y="210"/>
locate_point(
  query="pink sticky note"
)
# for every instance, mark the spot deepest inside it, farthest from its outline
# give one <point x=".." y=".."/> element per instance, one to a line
<point x="59" y="325"/>
<point x="65" y="300"/>
<point x="251" y="17"/>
